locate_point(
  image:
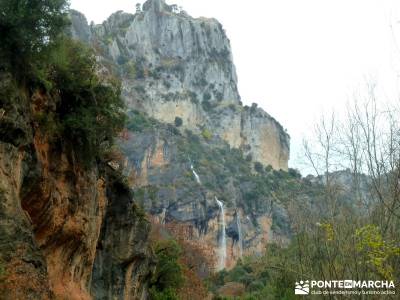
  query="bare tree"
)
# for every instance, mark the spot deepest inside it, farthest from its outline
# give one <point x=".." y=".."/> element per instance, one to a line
<point x="360" y="219"/>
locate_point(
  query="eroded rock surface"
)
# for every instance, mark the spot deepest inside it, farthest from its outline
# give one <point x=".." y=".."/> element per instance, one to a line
<point x="52" y="209"/>
<point x="173" y="65"/>
<point x="177" y="178"/>
<point x="124" y="262"/>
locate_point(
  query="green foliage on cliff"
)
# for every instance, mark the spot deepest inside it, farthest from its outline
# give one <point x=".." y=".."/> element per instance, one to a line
<point x="2" y="271"/>
<point x="168" y="276"/>
<point x="207" y="135"/>
<point x="178" y="121"/>
<point x="28" y="31"/>
<point x="130" y="69"/>
<point x="77" y="107"/>
<point x="139" y="122"/>
<point x="83" y="109"/>
<point x="206" y="104"/>
<point x="90" y="110"/>
<point x="224" y="172"/>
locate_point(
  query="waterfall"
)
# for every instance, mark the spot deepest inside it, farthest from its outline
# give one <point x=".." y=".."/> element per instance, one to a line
<point x="195" y="175"/>
<point x="222" y="238"/>
<point x="239" y="226"/>
<point x="162" y="219"/>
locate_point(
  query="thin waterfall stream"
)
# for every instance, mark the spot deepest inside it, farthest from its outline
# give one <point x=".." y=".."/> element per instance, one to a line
<point x="239" y="226"/>
<point x="196" y="176"/>
<point x="222" y="238"/>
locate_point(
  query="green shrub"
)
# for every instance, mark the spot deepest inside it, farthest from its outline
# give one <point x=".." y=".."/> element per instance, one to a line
<point x="255" y="286"/>
<point x="258" y="167"/>
<point x="206" y="96"/>
<point x="28" y="31"/>
<point x="219" y="96"/>
<point x="48" y="123"/>
<point x="167" y="294"/>
<point x="253" y="107"/>
<point x="2" y="269"/>
<point x="130" y="70"/>
<point x="207" y="106"/>
<point x="178" y="121"/>
<point x="268" y="168"/>
<point x="122" y="59"/>
<point x="168" y="275"/>
<point x="140" y="89"/>
<point x="193" y="97"/>
<point x="206" y="134"/>
<point x="166" y="84"/>
<point x="294" y="173"/>
<point x="84" y="111"/>
<point x="90" y="109"/>
<point x="140" y="73"/>
<point x="237" y="274"/>
<point x="138" y="122"/>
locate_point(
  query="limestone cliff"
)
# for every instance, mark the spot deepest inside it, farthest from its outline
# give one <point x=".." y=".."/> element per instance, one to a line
<point x="179" y="70"/>
<point x="123" y="262"/>
<point x="178" y="176"/>
<point x="53" y="210"/>
<point x="173" y="65"/>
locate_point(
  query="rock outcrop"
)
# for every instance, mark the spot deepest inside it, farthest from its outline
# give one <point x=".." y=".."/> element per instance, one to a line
<point x="177" y="178"/>
<point x="179" y="70"/>
<point x="23" y="266"/>
<point x="53" y="209"/>
<point x="124" y="263"/>
<point x="175" y="66"/>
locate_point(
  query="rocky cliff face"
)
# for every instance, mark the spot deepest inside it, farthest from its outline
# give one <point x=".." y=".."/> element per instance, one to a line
<point x="180" y="178"/>
<point x="20" y="254"/>
<point x="173" y="65"/>
<point x="53" y="210"/>
<point x="123" y="264"/>
<point x="179" y="70"/>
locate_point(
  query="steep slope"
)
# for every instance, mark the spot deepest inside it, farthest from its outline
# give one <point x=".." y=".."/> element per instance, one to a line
<point x="206" y="188"/>
<point x="124" y="262"/>
<point x="174" y="66"/>
<point x="179" y="70"/>
<point x="53" y="208"/>
<point x="71" y="226"/>
<point x="24" y="272"/>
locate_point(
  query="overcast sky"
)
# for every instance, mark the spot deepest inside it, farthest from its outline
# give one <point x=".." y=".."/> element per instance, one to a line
<point x="298" y="59"/>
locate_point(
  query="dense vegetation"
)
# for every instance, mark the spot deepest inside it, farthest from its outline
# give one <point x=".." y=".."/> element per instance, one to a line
<point x="168" y="276"/>
<point x="28" y="31"/>
<point x="90" y="111"/>
<point x="353" y="233"/>
<point x="343" y="224"/>
<point x="79" y="107"/>
<point x="179" y="262"/>
<point x="258" y="189"/>
<point x="338" y="231"/>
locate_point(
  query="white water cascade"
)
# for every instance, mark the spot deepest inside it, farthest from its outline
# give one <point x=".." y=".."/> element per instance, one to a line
<point x="239" y="226"/>
<point x="222" y="238"/>
<point x="163" y="214"/>
<point x="195" y="175"/>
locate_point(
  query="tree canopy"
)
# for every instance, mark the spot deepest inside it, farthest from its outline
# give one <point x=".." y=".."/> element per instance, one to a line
<point x="87" y="110"/>
<point x="27" y="29"/>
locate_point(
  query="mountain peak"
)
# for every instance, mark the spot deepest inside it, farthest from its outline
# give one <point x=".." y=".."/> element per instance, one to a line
<point x="156" y="5"/>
